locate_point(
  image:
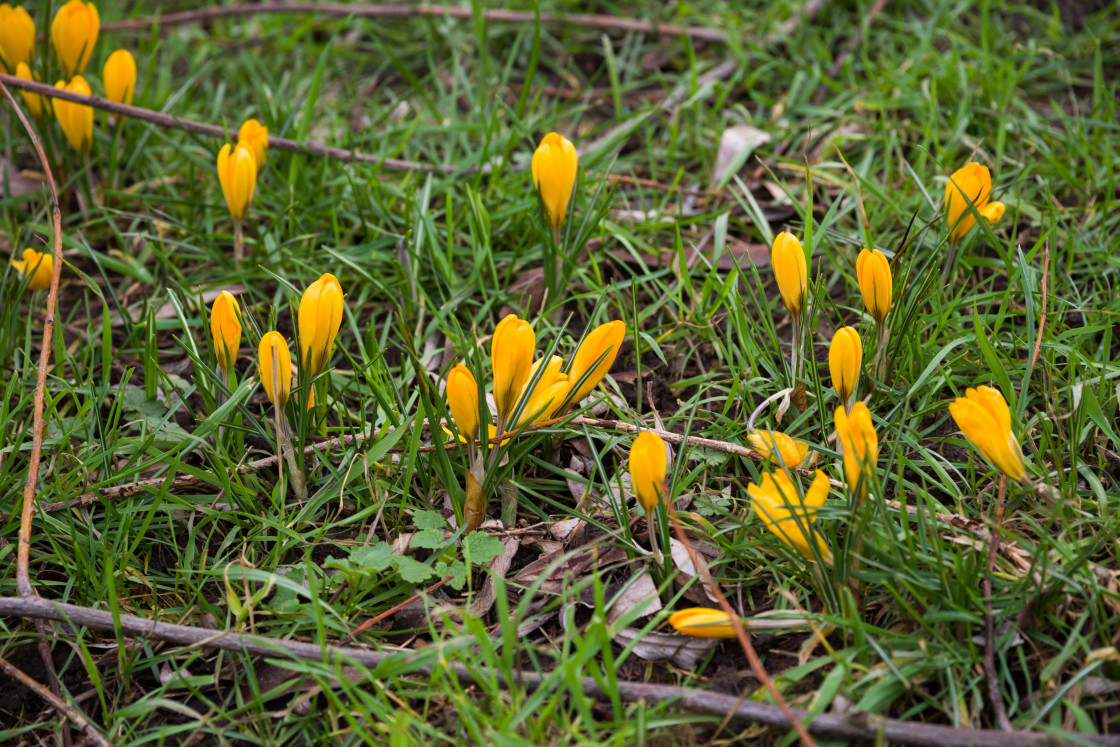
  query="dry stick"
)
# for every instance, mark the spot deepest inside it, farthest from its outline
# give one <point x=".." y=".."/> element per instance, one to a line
<point x="23" y="555"/>
<point x="59" y="704"/>
<point x="856" y="726"/>
<point x="760" y="672"/>
<point x="391" y="611"/>
<point x="1002" y="721"/>
<point x="605" y="22"/>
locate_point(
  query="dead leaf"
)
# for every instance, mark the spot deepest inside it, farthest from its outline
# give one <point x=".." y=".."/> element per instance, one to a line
<point x="735" y="146"/>
<point x="684" y="651"/>
<point x="499" y="567"/>
<point x="14" y="182"/>
<point x="640" y="593"/>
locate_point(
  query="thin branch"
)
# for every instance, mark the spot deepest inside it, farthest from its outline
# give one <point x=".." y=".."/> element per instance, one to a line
<point x="855" y="726"/>
<point x="495" y="15"/>
<point x="23" y="554"/>
<point x="59" y="704"/>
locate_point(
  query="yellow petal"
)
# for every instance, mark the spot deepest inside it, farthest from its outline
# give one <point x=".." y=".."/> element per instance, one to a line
<point x="701" y="622"/>
<point x="788" y="259"/>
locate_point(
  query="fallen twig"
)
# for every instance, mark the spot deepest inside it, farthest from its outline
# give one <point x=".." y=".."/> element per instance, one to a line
<point x="59" y="704"/>
<point x="855" y="726"/>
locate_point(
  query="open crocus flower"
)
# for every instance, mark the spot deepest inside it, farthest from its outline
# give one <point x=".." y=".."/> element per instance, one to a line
<point x="40" y="265"/>
<point x="701" y="622"/>
<point x="790" y="516"/>
<point x="550" y="392"/>
<point x="982" y="414"/>
<point x="555" y="165"/>
<point x="779" y="448"/>
<point x="860" y="445"/>
<point x="972" y="183"/>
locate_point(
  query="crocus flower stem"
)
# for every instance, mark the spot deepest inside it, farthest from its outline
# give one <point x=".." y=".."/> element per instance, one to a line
<point x="879" y="364"/>
<point x="950" y="261"/>
<point x="795" y="355"/>
<point x="654" y="540"/>
<point x="238" y="244"/>
<point x="284" y="447"/>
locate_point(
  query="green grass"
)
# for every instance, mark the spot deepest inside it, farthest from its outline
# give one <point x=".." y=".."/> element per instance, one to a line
<point x="429" y="261"/>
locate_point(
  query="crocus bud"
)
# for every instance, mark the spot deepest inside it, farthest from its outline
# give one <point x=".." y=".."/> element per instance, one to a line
<point x="856" y="434"/>
<point x="17" y="36"/>
<point x="874" y="274"/>
<point x="982" y="414"/>
<point x="973" y="182"/>
<point x="779" y="448"/>
<point x="788" y="260"/>
<point x="550" y="392"/>
<point x="844" y="357"/>
<point x="225" y="327"/>
<point x="595" y="356"/>
<point x="647" y="469"/>
<point x="554" y="166"/>
<point x="76" y="119"/>
<point x="511" y="358"/>
<point x="275" y="365"/>
<point x="787" y="514"/>
<point x="39" y="265"/>
<point x="320" y="316"/>
<point x="702" y="622"/>
<point x="74" y="32"/>
<point x="462" y="398"/>
<point x="255" y="135"/>
<point x="119" y="77"/>
<point x="237" y="172"/>
<point x="38" y="105"/>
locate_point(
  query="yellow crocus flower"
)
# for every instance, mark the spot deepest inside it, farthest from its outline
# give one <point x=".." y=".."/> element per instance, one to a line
<point x="982" y="414"/>
<point x="555" y="165"/>
<point x="845" y="355"/>
<point x="874" y="274"/>
<point x="39" y="264"/>
<point x="789" y="516"/>
<point x="74" y="32"/>
<point x="275" y="364"/>
<point x="647" y="469"/>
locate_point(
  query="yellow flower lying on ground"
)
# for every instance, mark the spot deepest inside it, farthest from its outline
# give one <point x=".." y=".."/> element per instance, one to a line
<point x="275" y="365"/>
<point x="973" y="182"/>
<point x="225" y="327"/>
<point x="555" y="165"/>
<point x="39" y="264"/>
<point x="779" y="448"/>
<point x="788" y="259"/>
<point x="511" y="359"/>
<point x="859" y="443"/>
<point x="320" y="316"/>
<point x="845" y="355"/>
<point x="789" y="516"/>
<point x="647" y="469"/>
<point x="119" y="77"/>
<point x="255" y="135"/>
<point x="874" y="274"/>
<point x="462" y="398"/>
<point x="74" y="32"/>
<point x="701" y="622"/>
<point x="237" y="173"/>
<point x="601" y="344"/>
<point x="76" y="119"/>
<point x="982" y="414"/>
<point x="36" y="104"/>
<point x="17" y="36"/>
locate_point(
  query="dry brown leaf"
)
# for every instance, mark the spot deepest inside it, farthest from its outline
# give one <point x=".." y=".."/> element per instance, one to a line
<point x="499" y="567"/>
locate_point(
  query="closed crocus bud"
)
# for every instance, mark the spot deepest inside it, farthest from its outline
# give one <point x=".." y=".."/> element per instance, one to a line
<point x="225" y="327"/>
<point x="39" y="265"/>
<point x="550" y="392"/>
<point x="788" y="259"/>
<point x="76" y="119"/>
<point x="255" y="135"/>
<point x="787" y="514"/>
<point x="554" y="166"/>
<point x="74" y="32"/>
<point x="36" y="104"/>
<point x="275" y="364"/>
<point x="462" y="398"/>
<point x="511" y="358"/>
<point x="779" y="448"/>
<point x="701" y="622"/>
<point x="973" y="182"/>
<point x="320" y="316"/>
<point x="845" y="355"/>
<point x="982" y="414"/>
<point x="119" y="77"/>
<point x="856" y="434"/>
<point x="17" y="36"/>
<point x="237" y="172"/>
<point x="647" y="469"/>
<point x="874" y="274"/>
<point x="595" y="356"/>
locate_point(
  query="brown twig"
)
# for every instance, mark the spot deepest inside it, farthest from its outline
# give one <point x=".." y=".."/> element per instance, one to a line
<point x="855" y="726"/>
<point x="757" y="668"/>
<point x="495" y="15"/>
<point x="1042" y="316"/>
<point x="58" y="703"/>
<point x="1000" y="711"/>
<point x="23" y="554"/>
<point x="391" y="611"/>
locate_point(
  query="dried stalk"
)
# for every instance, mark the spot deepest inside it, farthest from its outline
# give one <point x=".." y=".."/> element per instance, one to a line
<point x="59" y="704"/>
